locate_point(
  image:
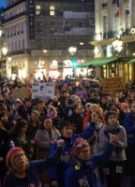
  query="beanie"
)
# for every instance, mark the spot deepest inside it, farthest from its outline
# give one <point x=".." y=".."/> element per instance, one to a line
<point x="79" y="144"/>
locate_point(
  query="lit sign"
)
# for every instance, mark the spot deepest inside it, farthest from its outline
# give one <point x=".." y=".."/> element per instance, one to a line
<point x="31" y="16"/>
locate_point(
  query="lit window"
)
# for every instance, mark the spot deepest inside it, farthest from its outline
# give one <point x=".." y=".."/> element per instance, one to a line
<point x="52" y="10"/>
<point x="38" y="9"/>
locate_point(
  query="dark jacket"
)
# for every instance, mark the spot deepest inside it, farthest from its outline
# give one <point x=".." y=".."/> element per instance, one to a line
<point x="57" y="172"/>
<point x="129" y="124"/>
<point x="81" y="174"/>
<point x="32" y="178"/>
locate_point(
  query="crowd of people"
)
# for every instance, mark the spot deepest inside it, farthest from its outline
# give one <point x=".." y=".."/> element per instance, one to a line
<point x="80" y="138"/>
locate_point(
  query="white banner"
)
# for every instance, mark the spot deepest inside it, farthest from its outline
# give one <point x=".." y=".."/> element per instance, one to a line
<point x="43" y="90"/>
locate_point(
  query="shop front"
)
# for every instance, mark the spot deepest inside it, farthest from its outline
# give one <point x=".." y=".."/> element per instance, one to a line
<point x="17" y="67"/>
<point x="122" y="67"/>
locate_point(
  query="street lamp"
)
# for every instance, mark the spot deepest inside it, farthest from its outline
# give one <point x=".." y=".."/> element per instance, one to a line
<point x="72" y="50"/>
<point x="118" y="45"/>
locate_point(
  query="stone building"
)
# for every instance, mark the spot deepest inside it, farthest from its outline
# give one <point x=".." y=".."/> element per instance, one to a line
<point x="39" y="33"/>
<point x="114" y="40"/>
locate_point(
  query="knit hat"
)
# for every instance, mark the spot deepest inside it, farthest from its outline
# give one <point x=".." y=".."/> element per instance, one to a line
<point x="78" y="145"/>
<point x="11" y="154"/>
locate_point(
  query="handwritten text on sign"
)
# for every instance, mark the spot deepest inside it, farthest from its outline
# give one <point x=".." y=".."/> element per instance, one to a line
<point x="112" y="85"/>
<point x="43" y="90"/>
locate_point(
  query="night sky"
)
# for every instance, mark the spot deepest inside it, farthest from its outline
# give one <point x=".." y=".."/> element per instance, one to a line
<point x="3" y="3"/>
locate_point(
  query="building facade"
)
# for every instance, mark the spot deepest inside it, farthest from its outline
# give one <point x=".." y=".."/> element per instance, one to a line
<point x="115" y="37"/>
<point x="39" y="33"/>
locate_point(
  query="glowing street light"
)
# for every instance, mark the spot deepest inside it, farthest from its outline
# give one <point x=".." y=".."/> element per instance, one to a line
<point x="72" y="50"/>
<point x="118" y="45"/>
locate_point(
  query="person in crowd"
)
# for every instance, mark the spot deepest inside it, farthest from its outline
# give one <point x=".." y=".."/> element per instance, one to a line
<point x="82" y="172"/>
<point x="77" y="118"/>
<point x="23" y="173"/>
<point x="6" y="143"/>
<point x="114" y="168"/>
<point x="87" y="113"/>
<point x="104" y="102"/>
<point x="33" y="124"/>
<point x="44" y="137"/>
<point x="57" y="172"/>
<point x="129" y="124"/>
<point x="123" y="110"/>
<point x="40" y="107"/>
<point x="20" y="138"/>
<point x="53" y="114"/>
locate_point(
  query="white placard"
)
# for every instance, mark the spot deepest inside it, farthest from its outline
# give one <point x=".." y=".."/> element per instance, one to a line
<point x="43" y="90"/>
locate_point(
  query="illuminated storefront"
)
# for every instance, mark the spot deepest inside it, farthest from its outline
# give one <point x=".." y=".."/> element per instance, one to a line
<point x="53" y="70"/>
<point x="17" y="67"/>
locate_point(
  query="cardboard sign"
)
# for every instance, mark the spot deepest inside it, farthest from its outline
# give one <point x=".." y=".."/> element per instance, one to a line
<point x="22" y="93"/>
<point x="112" y="85"/>
<point x="43" y="90"/>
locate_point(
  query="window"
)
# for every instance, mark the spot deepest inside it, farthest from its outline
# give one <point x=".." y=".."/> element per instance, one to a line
<point x="105" y="24"/>
<point x="127" y="19"/>
<point x="52" y="10"/>
<point x="38" y="9"/>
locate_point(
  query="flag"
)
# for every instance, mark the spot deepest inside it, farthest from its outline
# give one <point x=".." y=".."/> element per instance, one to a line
<point x="117" y="8"/>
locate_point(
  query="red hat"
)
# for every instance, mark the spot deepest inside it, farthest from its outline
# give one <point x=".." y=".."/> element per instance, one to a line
<point x="79" y="144"/>
<point x="11" y="153"/>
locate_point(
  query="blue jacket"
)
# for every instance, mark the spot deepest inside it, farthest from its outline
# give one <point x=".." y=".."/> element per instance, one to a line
<point x="82" y="173"/>
<point x="129" y="123"/>
<point x="58" y="171"/>
<point x="32" y="178"/>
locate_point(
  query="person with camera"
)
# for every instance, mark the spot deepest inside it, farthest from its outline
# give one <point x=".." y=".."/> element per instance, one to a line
<point x="114" y="168"/>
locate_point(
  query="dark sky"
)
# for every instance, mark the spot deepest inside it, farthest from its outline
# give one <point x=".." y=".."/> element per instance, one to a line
<point x="3" y="3"/>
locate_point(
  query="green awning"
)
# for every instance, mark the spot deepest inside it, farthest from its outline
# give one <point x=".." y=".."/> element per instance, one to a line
<point x="101" y="61"/>
<point x="131" y="61"/>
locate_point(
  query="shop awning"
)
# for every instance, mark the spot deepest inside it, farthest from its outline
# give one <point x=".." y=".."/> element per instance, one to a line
<point x="99" y="61"/>
<point x="131" y="61"/>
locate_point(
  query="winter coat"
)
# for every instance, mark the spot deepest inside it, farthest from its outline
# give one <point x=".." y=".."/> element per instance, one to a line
<point x="32" y="178"/>
<point x="82" y="173"/>
<point x="6" y="143"/>
<point x="118" y="153"/>
<point x="44" y="139"/>
<point x="129" y="124"/>
<point x="58" y="171"/>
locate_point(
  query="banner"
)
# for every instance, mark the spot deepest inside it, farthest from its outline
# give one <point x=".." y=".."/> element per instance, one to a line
<point x="43" y="90"/>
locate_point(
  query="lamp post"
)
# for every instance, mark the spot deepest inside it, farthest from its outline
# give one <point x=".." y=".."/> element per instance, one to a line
<point x="3" y="53"/>
<point x="118" y="45"/>
<point x="72" y="50"/>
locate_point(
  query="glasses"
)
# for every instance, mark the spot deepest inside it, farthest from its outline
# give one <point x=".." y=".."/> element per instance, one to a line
<point x="18" y="155"/>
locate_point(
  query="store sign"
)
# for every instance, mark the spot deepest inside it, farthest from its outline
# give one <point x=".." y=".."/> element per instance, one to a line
<point x="31" y="16"/>
<point x="112" y="85"/>
<point x="43" y="90"/>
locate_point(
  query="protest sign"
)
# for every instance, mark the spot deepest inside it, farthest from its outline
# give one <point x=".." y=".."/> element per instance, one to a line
<point x="43" y="90"/>
<point x="112" y="85"/>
